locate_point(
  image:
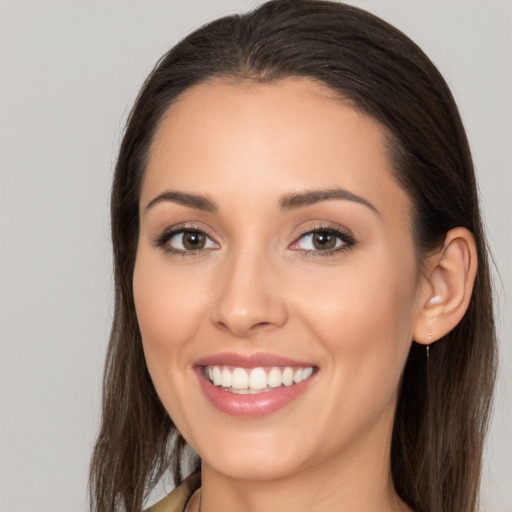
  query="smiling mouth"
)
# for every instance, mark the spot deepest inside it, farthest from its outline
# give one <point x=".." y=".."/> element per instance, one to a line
<point x="252" y="381"/>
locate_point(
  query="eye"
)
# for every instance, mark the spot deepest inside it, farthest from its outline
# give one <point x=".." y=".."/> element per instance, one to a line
<point x="324" y="240"/>
<point x="186" y="240"/>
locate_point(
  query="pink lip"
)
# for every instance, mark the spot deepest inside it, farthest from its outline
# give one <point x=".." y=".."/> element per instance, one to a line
<point x="250" y="360"/>
<point x="250" y="405"/>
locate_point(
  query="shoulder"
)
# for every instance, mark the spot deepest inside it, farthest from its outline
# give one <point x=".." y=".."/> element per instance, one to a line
<point x="178" y="498"/>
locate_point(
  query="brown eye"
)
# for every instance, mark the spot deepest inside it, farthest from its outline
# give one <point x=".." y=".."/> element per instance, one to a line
<point x="193" y="240"/>
<point x="189" y="240"/>
<point x="323" y="240"/>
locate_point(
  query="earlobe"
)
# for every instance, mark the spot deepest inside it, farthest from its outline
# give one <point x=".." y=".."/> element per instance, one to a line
<point x="449" y="285"/>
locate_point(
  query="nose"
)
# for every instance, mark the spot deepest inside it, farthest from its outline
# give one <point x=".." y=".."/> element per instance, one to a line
<point x="248" y="298"/>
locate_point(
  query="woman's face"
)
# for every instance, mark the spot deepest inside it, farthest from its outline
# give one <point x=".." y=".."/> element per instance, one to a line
<point x="275" y="258"/>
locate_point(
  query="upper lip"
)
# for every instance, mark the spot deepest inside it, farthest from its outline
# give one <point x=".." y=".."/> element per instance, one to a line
<point x="250" y="360"/>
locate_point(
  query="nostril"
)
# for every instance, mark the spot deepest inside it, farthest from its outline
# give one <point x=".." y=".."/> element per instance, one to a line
<point x="261" y="324"/>
<point x="242" y="329"/>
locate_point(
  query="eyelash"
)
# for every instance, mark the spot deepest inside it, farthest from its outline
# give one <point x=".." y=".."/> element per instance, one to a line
<point x="162" y="241"/>
<point x="347" y="240"/>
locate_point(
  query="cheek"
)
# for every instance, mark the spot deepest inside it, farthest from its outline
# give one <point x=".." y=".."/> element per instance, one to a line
<point x="364" y="315"/>
<point x="169" y="308"/>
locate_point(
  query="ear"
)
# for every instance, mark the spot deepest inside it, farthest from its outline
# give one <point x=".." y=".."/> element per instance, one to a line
<point x="448" y="285"/>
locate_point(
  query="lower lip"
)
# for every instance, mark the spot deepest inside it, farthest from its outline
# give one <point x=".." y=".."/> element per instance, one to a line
<point x="251" y="405"/>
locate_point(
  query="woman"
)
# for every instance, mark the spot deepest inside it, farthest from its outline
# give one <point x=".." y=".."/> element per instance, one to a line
<point x="302" y="286"/>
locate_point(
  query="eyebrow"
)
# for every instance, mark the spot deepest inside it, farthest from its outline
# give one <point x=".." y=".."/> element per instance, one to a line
<point x="300" y="200"/>
<point x="196" y="201"/>
<point x="290" y="201"/>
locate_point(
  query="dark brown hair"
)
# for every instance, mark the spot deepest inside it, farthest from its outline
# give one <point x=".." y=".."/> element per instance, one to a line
<point x="442" y="413"/>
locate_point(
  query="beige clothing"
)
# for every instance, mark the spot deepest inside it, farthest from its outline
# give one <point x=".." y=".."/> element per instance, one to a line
<point x="177" y="500"/>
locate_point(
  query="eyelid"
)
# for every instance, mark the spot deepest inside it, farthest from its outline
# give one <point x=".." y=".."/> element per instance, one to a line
<point x="340" y="232"/>
<point x="344" y="234"/>
<point x="167" y="234"/>
<point x="327" y="226"/>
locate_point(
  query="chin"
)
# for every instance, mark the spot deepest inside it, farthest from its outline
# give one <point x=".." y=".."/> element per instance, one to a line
<point x="258" y="456"/>
<point x="255" y="468"/>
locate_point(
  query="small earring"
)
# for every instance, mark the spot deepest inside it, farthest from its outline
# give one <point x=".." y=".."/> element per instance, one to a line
<point x="428" y="346"/>
<point x="435" y="300"/>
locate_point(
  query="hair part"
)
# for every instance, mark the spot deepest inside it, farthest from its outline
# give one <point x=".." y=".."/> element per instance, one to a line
<point x="443" y="410"/>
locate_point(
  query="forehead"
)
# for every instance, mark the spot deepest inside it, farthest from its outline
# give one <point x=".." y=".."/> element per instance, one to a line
<point x="262" y="140"/>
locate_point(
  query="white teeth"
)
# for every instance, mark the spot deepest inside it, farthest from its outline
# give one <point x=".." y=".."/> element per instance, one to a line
<point x="274" y="378"/>
<point x="306" y="372"/>
<point x="217" y="376"/>
<point x="226" y="378"/>
<point x="249" y="391"/>
<point x="257" y="380"/>
<point x="288" y="376"/>
<point x="239" y="379"/>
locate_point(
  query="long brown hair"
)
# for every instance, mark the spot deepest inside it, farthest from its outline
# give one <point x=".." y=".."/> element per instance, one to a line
<point x="442" y="413"/>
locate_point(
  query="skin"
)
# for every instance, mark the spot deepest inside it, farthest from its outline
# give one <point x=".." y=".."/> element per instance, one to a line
<point x="254" y="288"/>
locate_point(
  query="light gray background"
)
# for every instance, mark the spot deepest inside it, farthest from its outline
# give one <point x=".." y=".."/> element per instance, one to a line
<point x="69" y="72"/>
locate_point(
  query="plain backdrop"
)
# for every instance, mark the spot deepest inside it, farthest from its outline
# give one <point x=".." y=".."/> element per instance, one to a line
<point x="69" y="72"/>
